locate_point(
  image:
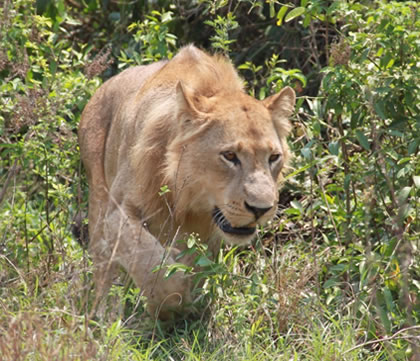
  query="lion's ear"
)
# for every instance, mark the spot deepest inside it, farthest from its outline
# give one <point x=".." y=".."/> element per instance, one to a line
<point x="188" y="102"/>
<point x="281" y="106"/>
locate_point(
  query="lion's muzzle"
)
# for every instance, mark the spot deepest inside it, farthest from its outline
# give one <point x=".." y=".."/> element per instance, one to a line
<point x="226" y="227"/>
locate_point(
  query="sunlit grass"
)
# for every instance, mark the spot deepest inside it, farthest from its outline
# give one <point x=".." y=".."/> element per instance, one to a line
<point x="248" y="319"/>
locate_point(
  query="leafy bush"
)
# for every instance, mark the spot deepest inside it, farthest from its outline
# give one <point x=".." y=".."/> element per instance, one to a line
<point x="365" y="137"/>
<point x="42" y="95"/>
<point x="361" y="139"/>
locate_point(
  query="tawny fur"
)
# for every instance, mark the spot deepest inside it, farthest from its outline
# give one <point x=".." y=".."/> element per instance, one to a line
<point x="171" y="124"/>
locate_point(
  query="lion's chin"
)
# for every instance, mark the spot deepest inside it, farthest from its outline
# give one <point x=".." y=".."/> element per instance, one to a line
<point x="234" y="235"/>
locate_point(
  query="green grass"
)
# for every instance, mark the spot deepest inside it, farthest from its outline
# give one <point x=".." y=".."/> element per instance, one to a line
<point x="264" y="308"/>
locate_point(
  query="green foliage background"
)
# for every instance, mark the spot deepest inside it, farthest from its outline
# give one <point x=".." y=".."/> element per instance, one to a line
<point x="335" y="277"/>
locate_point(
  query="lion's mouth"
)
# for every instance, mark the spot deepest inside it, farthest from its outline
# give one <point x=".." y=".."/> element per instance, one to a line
<point x="226" y="227"/>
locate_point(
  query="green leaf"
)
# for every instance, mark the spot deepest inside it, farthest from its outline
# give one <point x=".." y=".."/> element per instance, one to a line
<point x="163" y="190"/>
<point x="412" y="147"/>
<point x="363" y="140"/>
<point x="307" y="20"/>
<point x="307" y="153"/>
<point x="416" y="179"/>
<point x="300" y="170"/>
<point x="390" y="63"/>
<point x="74" y="22"/>
<point x="332" y="282"/>
<point x="203" y="261"/>
<point x="53" y="67"/>
<point x="388" y="300"/>
<point x="338" y="268"/>
<point x="176" y="267"/>
<point x="166" y="17"/>
<point x="334" y="148"/>
<point x="403" y="194"/>
<point x="191" y="242"/>
<point x="272" y="10"/>
<point x="380" y="109"/>
<point x="300" y="77"/>
<point x="297" y="205"/>
<point x="262" y="93"/>
<point x="384" y="318"/>
<point x="280" y="14"/>
<point x="294" y="13"/>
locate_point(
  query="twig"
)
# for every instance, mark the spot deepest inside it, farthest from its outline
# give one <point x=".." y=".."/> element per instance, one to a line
<point x="47" y="205"/>
<point x="15" y="268"/>
<point x="390" y="338"/>
<point x="347" y="172"/>
<point x="11" y="173"/>
<point x="324" y="193"/>
<point x="44" y="227"/>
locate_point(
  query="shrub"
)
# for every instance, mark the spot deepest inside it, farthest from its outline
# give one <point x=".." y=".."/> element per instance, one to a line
<point x="42" y="94"/>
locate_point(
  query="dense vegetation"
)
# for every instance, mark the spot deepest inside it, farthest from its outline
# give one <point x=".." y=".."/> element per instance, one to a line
<point x="335" y="277"/>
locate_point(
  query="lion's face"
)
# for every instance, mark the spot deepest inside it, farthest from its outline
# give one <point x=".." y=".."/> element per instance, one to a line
<point x="230" y="167"/>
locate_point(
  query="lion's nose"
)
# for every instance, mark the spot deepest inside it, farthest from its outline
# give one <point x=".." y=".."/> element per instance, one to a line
<point x="258" y="212"/>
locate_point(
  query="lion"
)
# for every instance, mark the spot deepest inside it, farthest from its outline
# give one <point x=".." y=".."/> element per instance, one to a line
<point x="185" y="124"/>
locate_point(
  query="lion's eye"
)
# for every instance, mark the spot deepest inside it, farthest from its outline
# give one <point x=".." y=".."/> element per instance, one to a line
<point x="231" y="157"/>
<point x="274" y="158"/>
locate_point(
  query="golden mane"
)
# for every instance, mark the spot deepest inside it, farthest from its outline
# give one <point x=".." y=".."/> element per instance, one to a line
<point x="206" y="76"/>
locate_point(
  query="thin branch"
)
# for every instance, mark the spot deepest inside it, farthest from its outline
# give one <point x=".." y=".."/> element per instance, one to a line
<point x="324" y="193"/>
<point x="390" y="338"/>
<point x="12" y="171"/>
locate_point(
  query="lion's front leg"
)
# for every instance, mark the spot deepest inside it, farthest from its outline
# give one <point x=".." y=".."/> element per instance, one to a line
<point x="139" y="252"/>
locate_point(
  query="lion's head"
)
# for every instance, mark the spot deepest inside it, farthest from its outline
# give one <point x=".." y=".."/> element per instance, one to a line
<point x="223" y="150"/>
